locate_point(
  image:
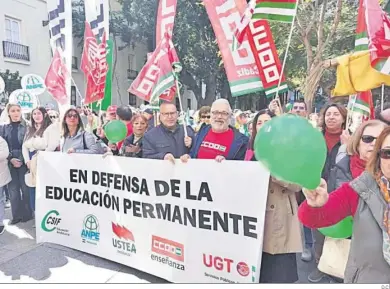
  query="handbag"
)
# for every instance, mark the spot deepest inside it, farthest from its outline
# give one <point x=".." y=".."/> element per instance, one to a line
<point x="334" y="257"/>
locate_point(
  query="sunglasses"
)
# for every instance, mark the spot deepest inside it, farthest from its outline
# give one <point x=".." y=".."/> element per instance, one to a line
<point x="71" y="115"/>
<point x="205" y="116"/>
<point x="384" y="154"/>
<point x="368" y="138"/>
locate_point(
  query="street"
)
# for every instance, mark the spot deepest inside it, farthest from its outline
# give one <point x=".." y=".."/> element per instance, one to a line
<point x="22" y="260"/>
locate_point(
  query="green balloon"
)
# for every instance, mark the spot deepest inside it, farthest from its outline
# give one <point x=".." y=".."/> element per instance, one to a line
<point x="292" y="150"/>
<point x="341" y="230"/>
<point x="289" y="106"/>
<point x="115" y="131"/>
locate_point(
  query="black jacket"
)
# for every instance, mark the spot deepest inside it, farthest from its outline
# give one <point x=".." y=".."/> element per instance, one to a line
<point x="5" y="133"/>
<point x="330" y="161"/>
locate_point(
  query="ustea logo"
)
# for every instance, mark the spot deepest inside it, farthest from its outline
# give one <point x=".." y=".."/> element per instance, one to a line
<point x="51" y="222"/>
<point x="90" y="233"/>
<point x="167" y="250"/>
<point x="124" y="240"/>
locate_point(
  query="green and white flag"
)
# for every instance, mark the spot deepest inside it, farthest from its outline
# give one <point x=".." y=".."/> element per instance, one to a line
<point x="275" y="10"/>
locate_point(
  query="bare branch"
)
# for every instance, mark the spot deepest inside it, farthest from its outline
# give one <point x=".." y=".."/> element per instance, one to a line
<point x="336" y="22"/>
<point x="320" y="31"/>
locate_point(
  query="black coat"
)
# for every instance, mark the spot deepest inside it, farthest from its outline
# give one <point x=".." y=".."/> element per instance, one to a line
<point x="330" y="161"/>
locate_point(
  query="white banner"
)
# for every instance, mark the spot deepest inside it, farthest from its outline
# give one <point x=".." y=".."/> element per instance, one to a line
<point x="200" y="222"/>
<point x="97" y="15"/>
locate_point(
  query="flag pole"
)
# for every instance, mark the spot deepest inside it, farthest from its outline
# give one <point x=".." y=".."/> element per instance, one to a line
<point x="176" y="70"/>
<point x="382" y="96"/>
<point x="286" y="53"/>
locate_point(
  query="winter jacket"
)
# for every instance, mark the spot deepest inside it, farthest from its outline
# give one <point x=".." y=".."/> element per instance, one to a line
<point x="5" y="176"/>
<point x="330" y="161"/>
<point x="5" y="133"/>
<point x="160" y="141"/>
<point x="237" y="149"/>
<point x="83" y="143"/>
<point x="339" y="174"/>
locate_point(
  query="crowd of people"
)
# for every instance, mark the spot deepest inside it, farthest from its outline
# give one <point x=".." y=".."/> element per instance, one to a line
<point x="356" y="172"/>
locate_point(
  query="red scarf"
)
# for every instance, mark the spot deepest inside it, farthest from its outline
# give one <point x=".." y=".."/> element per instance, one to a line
<point x="332" y="139"/>
<point x="357" y="166"/>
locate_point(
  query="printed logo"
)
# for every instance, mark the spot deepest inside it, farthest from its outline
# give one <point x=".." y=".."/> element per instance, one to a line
<point x="124" y="240"/>
<point x="90" y="233"/>
<point x="214" y="146"/>
<point x="25" y="99"/>
<point x="225" y="265"/>
<point x="33" y="83"/>
<point x="51" y="222"/>
<point x="169" y="249"/>
<point x="243" y="269"/>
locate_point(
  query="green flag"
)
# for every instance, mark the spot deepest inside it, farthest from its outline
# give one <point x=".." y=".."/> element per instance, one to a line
<point x="106" y="101"/>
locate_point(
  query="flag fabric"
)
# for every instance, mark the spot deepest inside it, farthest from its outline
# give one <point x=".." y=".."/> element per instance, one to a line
<point x="97" y="15"/>
<point x="94" y="65"/>
<point x="276" y="10"/>
<point x="360" y="109"/>
<point x="164" y="27"/>
<point x="241" y="29"/>
<point x="56" y="77"/>
<point x="60" y="28"/>
<point x="157" y="77"/>
<point x="240" y="65"/>
<point x="378" y="29"/>
<point x="361" y="39"/>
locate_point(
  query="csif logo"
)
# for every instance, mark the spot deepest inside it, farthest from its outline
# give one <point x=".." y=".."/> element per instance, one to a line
<point x="50" y="221"/>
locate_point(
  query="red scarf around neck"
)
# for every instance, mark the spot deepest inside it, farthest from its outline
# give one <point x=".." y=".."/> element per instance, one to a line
<point x="332" y="139"/>
<point x="357" y="166"/>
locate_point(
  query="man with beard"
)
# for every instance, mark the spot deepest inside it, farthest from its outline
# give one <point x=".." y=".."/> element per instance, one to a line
<point x="219" y="140"/>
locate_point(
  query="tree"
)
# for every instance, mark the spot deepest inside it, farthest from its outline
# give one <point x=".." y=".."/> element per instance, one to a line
<point x="324" y="29"/>
<point x="12" y="82"/>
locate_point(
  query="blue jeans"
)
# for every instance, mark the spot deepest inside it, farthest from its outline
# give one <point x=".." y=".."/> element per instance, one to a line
<point x="308" y="237"/>
<point x="2" y="204"/>
<point x="32" y="190"/>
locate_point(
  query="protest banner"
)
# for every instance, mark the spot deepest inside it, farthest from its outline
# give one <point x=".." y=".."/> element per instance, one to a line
<point x="157" y="217"/>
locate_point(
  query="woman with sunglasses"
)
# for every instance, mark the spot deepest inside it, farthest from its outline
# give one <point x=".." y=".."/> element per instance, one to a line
<point x="282" y="235"/>
<point x="367" y="200"/>
<point x="359" y="149"/>
<point x="204" y="117"/>
<point x="42" y="135"/>
<point x="74" y="138"/>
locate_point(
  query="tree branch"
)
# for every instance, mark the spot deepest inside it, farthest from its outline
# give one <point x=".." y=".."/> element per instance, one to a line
<point x="320" y="31"/>
<point x="336" y="22"/>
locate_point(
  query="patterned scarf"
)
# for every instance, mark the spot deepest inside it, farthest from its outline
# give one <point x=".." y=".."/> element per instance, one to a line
<point x="384" y="186"/>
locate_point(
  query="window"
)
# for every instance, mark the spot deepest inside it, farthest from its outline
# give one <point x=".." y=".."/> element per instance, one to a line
<point x="12" y="30"/>
<point x="131" y="61"/>
<point x="132" y="99"/>
<point x="74" y="62"/>
<point x="189" y="103"/>
<point x="73" y="95"/>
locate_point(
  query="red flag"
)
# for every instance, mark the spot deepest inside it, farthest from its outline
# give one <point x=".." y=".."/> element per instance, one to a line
<point x="378" y="28"/>
<point x="94" y="65"/>
<point x="56" y="77"/>
<point x="241" y="29"/>
<point x="156" y="77"/>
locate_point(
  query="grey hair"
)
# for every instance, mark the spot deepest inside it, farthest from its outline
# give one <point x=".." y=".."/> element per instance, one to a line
<point x="222" y="101"/>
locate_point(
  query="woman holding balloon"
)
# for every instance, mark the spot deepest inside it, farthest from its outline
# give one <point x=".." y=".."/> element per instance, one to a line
<point x="367" y="200"/>
<point x="282" y="233"/>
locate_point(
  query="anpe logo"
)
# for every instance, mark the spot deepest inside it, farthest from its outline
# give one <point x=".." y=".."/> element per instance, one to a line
<point x="124" y="240"/>
<point x="51" y="221"/>
<point x="90" y="233"/>
<point x="169" y="249"/>
<point x="243" y="269"/>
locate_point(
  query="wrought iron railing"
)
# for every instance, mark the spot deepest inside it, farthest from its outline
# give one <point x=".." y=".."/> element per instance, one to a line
<point x="16" y="51"/>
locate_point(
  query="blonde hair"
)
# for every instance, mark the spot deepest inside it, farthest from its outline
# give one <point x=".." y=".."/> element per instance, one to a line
<point x="354" y="141"/>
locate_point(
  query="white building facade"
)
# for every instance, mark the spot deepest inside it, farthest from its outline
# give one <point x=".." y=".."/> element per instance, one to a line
<point x="24" y="38"/>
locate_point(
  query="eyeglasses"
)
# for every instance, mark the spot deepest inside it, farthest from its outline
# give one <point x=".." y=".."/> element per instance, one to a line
<point x="298" y="107"/>
<point x="53" y="117"/>
<point x="205" y="116"/>
<point x="384" y="154"/>
<point x="71" y="115"/>
<point x="221" y="113"/>
<point x="368" y="138"/>
<point x="168" y="114"/>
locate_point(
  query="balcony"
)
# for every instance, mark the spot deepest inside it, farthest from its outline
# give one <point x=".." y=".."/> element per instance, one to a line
<point x="16" y="51"/>
<point x="131" y="74"/>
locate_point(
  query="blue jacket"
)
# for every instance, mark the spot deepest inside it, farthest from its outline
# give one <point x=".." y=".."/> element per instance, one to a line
<point x="160" y="141"/>
<point x="237" y="149"/>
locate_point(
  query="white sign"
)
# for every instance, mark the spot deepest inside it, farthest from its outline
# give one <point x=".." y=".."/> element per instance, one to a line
<point x="25" y="99"/>
<point x="196" y="222"/>
<point x="33" y="83"/>
<point x="2" y="85"/>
